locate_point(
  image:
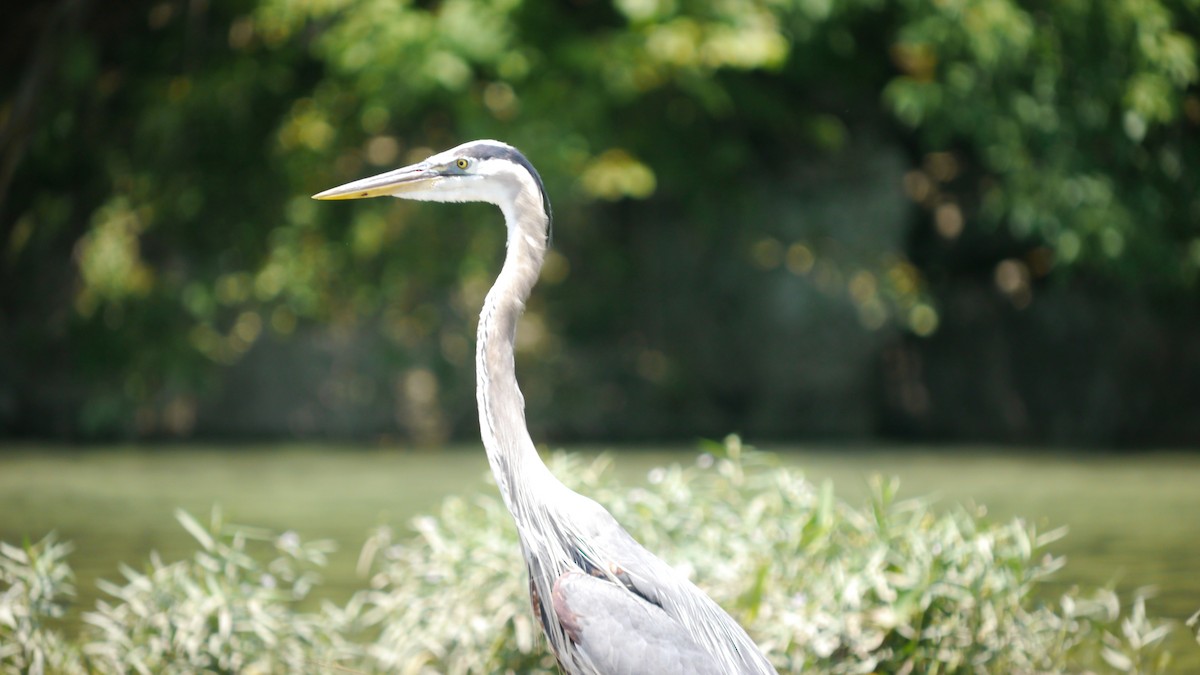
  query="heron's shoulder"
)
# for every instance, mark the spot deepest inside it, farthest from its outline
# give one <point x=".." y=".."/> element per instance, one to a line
<point x="618" y="632"/>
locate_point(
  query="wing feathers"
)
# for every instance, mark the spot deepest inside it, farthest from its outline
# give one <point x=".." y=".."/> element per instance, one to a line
<point x="621" y="634"/>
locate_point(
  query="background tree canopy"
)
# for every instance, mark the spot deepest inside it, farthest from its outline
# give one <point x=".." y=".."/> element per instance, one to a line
<point x="970" y="219"/>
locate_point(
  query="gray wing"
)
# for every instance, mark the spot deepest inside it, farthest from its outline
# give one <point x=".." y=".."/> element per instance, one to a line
<point x="651" y="579"/>
<point x="619" y="633"/>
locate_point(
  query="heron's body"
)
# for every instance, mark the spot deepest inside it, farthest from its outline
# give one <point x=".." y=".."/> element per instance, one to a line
<point x="607" y="605"/>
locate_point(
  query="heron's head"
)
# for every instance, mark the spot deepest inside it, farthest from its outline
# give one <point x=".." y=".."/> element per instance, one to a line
<point x="478" y="171"/>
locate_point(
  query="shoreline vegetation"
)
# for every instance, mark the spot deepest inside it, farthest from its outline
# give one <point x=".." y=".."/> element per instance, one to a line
<point x="891" y="585"/>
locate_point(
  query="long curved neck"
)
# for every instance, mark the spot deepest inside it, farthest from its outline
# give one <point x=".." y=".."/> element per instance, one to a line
<point x="510" y="450"/>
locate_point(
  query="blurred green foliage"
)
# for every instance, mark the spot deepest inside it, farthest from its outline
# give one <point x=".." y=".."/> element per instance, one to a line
<point x="890" y="586"/>
<point x="158" y="156"/>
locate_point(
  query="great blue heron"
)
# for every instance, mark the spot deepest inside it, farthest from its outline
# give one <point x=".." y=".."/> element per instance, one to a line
<point x="607" y="605"/>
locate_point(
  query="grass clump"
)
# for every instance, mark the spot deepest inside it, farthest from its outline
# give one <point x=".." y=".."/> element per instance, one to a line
<point x="890" y="586"/>
<point x="35" y="586"/>
<point x="230" y="609"/>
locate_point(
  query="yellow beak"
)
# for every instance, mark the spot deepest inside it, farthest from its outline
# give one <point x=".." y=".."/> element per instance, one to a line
<point x="408" y="179"/>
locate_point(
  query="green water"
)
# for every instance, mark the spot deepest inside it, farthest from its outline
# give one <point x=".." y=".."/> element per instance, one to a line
<point x="1134" y="520"/>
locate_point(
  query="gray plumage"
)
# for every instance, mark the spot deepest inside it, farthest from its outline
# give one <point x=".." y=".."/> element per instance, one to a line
<point x="606" y="604"/>
<point x="650" y="641"/>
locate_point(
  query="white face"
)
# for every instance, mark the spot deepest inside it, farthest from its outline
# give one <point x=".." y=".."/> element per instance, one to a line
<point x="478" y="171"/>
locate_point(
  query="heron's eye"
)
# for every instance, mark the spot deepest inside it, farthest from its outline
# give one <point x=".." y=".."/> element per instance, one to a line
<point x="461" y="163"/>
